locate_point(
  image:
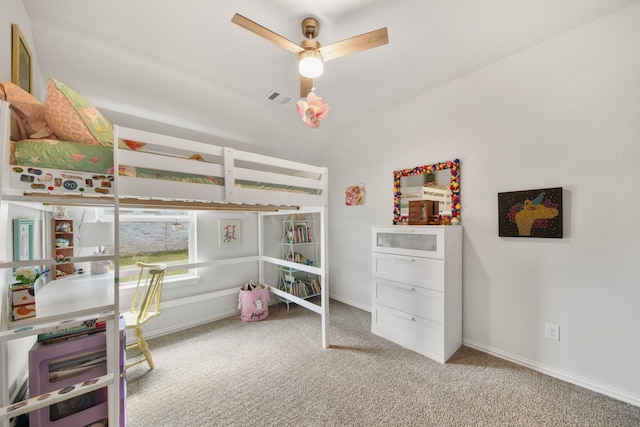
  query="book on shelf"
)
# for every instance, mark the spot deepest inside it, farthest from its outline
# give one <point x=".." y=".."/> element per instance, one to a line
<point x="88" y="326"/>
<point x="302" y="235"/>
<point x="71" y="336"/>
<point x="302" y="288"/>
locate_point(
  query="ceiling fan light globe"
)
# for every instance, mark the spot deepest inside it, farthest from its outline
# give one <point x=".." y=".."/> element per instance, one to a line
<point x="310" y="64"/>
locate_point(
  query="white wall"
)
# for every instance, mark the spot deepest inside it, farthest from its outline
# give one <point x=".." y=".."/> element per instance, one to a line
<point x="13" y="12"/>
<point x="562" y="113"/>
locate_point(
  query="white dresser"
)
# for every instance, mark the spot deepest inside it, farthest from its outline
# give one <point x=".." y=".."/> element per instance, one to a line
<point x="417" y="288"/>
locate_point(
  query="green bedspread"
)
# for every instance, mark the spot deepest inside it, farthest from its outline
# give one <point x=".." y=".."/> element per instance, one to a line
<point x="73" y="156"/>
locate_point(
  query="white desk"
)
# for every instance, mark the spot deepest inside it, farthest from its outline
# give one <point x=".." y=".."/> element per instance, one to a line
<point x="75" y="293"/>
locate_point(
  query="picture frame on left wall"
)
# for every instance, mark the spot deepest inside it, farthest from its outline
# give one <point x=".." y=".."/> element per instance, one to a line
<point x="21" y="63"/>
<point x="22" y="239"/>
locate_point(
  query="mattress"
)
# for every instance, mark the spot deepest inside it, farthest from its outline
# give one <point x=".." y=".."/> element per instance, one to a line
<point x="98" y="159"/>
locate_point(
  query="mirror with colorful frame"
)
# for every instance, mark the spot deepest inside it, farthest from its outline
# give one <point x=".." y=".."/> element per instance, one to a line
<point x="438" y="182"/>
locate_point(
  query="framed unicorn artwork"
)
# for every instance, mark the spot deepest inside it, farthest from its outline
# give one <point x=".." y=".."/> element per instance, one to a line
<point x="530" y="213"/>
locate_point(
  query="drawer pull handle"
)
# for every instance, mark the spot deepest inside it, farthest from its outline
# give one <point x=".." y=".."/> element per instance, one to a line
<point x="405" y="287"/>
<point x="406" y="316"/>
<point x="404" y="259"/>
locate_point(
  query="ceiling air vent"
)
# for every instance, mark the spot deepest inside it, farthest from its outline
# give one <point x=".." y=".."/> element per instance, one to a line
<point x="279" y="98"/>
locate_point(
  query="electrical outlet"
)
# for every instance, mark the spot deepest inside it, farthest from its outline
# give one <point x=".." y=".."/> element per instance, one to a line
<point x="552" y="332"/>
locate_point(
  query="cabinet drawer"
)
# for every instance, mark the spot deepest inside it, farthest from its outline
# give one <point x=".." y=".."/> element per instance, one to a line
<point x="425" y="272"/>
<point x="426" y="241"/>
<point x="413" y="332"/>
<point x="409" y="299"/>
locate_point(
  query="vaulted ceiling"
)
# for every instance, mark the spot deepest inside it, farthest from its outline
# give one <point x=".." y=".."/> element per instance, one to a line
<point x="174" y="65"/>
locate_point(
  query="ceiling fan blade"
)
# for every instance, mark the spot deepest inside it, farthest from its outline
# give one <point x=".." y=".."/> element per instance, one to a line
<point x="355" y="44"/>
<point x="306" y="85"/>
<point x="258" y="29"/>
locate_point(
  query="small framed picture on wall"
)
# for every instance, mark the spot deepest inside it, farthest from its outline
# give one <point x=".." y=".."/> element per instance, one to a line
<point x="230" y="233"/>
<point x="22" y="239"/>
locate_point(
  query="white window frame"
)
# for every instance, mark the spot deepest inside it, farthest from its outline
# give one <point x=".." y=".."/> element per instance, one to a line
<point x="189" y="217"/>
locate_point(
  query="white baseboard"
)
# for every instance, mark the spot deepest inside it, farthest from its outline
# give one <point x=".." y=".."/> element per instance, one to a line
<point x="182" y="323"/>
<point x="186" y="325"/>
<point x="351" y="303"/>
<point x="557" y="373"/>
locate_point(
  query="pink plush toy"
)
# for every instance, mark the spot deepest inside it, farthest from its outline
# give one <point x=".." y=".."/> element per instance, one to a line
<point x="313" y="110"/>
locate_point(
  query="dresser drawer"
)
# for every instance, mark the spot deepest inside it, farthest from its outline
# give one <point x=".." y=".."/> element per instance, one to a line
<point x="413" y="332"/>
<point x="409" y="299"/>
<point x="426" y="241"/>
<point x="425" y="272"/>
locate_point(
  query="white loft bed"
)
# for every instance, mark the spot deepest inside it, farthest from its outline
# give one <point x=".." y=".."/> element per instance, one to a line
<point x="224" y="179"/>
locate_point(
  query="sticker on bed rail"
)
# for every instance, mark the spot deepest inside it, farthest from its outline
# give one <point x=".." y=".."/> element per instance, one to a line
<point x="17" y="405"/>
<point x="26" y="178"/>
<point x="89" y="382"/>
<point x="67" y="389"/>
<point x="37" y="186"/>
<point x="57" y="182"/>
<point x="45" y="178"/>
<point x="69" y="185"/>
<point x="65" y="175"/>
<point x="34" y="171"/>
<point x="88" y="182"/>
<point x="18" y="170"/>
<point x="102" y="190"/>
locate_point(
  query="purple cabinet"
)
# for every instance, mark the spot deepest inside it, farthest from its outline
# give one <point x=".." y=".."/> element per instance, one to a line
<point x="64" y="364"/>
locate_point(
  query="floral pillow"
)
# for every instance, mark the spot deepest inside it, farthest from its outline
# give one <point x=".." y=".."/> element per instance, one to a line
<point x="72" y="118"/>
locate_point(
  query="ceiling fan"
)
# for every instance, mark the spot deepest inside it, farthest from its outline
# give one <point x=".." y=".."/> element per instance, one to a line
<point x="310" y="54"/>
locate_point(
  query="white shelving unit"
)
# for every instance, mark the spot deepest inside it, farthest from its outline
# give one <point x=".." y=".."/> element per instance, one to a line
<point x="274" y="264"/>
<point x="300" y="246"/>
<point x="62" y="238"/>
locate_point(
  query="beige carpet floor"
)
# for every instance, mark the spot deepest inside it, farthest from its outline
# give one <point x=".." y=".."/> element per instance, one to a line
<point x="275" y="373"/>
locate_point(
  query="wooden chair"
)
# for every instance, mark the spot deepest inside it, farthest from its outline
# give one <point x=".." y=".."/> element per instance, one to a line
<point x="145" y="305"/>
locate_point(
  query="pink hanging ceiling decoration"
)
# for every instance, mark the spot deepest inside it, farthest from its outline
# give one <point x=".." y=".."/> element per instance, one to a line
<point x="313" y="110"/>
